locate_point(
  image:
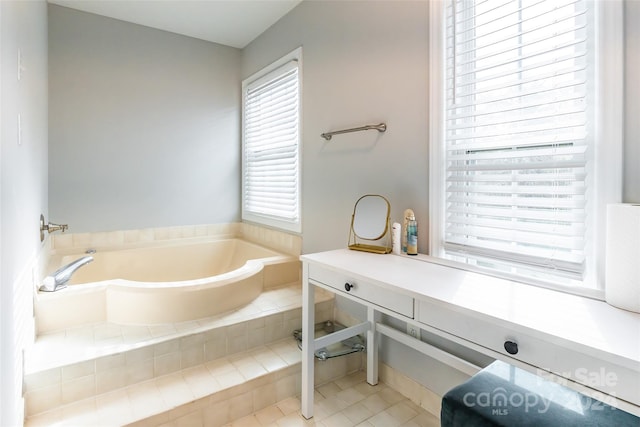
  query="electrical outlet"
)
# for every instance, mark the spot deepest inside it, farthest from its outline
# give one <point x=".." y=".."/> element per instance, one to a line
<point x="413" y="331"/>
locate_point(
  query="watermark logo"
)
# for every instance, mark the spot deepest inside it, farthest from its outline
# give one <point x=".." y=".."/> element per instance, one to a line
<point x="597" y="379"/>
<point x="501" y="401"/>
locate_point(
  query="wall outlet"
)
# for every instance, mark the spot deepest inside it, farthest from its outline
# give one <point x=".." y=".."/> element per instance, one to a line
<point x="413" y="331"/>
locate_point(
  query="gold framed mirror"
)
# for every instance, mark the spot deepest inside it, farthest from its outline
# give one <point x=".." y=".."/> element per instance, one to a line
<point x="370" y="222"/>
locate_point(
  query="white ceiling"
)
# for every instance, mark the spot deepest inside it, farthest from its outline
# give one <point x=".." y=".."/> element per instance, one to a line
<point x="229" y="22"/>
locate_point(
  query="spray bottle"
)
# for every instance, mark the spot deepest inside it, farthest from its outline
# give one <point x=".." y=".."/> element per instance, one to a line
<point x="407" y="214"/>
<point x="412" y="236"/>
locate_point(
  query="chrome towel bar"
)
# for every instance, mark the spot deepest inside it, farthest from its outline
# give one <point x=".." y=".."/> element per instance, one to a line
<point x="379" y="127"/>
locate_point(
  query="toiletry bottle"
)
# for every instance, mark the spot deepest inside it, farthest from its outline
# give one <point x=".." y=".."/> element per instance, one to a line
<point x="412" y="236"/>
<point x="396" y="230"/>
<point x="408" y="213"/>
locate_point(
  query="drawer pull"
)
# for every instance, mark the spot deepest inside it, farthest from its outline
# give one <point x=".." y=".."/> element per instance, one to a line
<point x="511" y="347"/>
<point x="348" y="286"/>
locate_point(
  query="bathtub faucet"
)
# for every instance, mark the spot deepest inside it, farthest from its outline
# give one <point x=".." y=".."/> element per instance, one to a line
<point x="58" y="280"/>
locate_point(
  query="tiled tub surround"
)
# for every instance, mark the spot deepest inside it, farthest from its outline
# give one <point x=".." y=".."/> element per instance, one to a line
<point x="82" y="372"/>
<point x="147" y="277"/>
<point x="282" y="242"/>
<point x="72" y="364"/>
<point x="163" y="284"/>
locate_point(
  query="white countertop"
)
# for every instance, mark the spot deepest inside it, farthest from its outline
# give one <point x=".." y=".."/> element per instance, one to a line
<point x="587" y="325"/>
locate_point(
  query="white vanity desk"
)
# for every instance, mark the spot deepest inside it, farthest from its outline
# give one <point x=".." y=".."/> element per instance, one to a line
<point x="586" y="341"/>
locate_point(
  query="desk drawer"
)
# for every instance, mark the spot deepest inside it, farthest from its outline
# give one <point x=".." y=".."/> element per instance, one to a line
<point x="547" y="355"/>
<point x="369" y="292"/>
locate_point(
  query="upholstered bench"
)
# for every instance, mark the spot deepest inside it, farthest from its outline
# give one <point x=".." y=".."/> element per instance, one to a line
<point x="503" y="395"/>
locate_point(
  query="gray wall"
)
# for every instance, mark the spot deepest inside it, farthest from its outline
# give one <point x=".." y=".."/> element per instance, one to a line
<point x="363" y="62"/>
<point x="144" y="126"/>
<point x="366" y="62"/>
<point x="23" y="176"/>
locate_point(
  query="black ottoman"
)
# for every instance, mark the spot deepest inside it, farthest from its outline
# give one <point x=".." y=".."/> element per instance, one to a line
<point x="503" y="395"/>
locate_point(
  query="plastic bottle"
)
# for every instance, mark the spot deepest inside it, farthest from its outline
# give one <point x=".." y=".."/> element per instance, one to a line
<point x="412" y="236"/>
<point x="408" y="213"/>
<point x="395" y="238"/>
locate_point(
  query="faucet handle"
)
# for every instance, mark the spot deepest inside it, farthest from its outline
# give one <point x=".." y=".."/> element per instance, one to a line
<point x="50" y="227"/>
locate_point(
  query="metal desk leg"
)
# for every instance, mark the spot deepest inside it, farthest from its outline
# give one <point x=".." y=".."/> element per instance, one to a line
<point x="308" y="336"/>
<point x="373" y="339"/>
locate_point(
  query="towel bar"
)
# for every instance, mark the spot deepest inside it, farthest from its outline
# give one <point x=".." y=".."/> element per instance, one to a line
<point x="382" y="127"/>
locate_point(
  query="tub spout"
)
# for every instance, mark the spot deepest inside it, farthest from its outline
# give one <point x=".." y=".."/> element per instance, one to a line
<point x="58" y="280"/>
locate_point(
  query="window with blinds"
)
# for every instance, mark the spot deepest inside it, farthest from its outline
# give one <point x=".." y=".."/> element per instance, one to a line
<point x="517" y="136"/>
<point x="271" y="183"/>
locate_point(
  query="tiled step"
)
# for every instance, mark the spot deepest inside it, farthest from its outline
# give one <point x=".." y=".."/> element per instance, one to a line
<point x="72" y="369"/>
<point x="214" y="393"/>
<point x="223" y="381"/>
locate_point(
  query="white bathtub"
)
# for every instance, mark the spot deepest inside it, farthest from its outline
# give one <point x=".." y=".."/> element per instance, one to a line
<point x="163" y="283"/>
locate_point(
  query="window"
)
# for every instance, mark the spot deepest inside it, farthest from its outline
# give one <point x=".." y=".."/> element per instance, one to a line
<point x="519" y="136"/>
<point x="271" y="145"/>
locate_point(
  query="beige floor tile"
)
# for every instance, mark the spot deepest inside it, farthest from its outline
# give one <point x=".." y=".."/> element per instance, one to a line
<point x="220" y="366"/>
<point x="269" y="415"/>
<point x="114" y="406"/>
<point x="351" y="380"/>
<point x="269" y="359"/>
<point x="350" y="396"/>
<point x="287" y="406"/>
<point x="384" y="419"/>
<point x="200" y="381"/>
<point x="368" y="389"/>
<point x="250" y="369"/>
<point x="402" y="412"/>
<point x="146" y="400"/>
<point x="248" y="421"/>
<point x="331" y="405"/>
<point x="294" y="420"/>
<point x="329" y="390"/>
<point x="423" y="420"/>
<point x="174" y="390"/>
<point x="375" y="403"/>
<point x="338" y="420"/>
<point x="391" y="396"/>
<point x="192" y="419"/>
<point x="45" y="419"/>
<point x="357" y="413"/>
<point x="229" y="379"/>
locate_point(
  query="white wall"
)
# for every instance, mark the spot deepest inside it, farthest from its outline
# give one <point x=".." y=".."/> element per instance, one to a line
<point x="144" y="126"/>
<point x="632" y="102"/>
<point x="363" y="62"/>
<point x="23" y="178"/>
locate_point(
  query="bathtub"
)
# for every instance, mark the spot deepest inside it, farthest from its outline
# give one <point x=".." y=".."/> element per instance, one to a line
<point x="163" y="283"/>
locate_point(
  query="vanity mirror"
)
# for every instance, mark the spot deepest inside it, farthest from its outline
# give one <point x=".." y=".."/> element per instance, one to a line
<point x="370" y="222"/>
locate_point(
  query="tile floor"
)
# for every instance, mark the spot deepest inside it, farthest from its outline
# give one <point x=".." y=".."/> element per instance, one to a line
<point x="346" y="402"/>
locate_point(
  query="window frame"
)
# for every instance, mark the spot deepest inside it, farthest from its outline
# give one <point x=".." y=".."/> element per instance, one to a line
<point x="250" y="216"/>
<point x="608" y="126"/>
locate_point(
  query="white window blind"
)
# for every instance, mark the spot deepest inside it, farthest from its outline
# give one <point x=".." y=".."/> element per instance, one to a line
<point x="518" y="140"/>
<point x="271" y="148"/>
